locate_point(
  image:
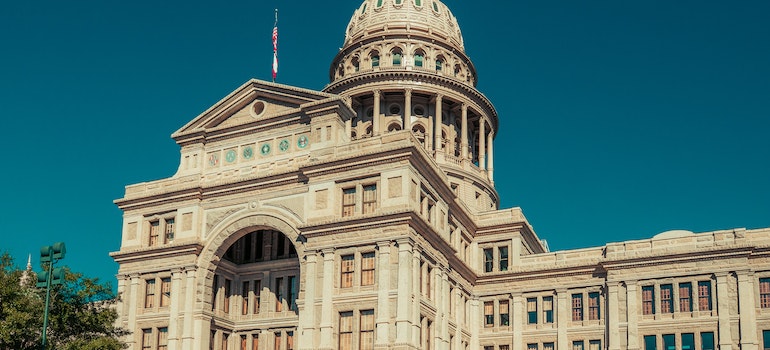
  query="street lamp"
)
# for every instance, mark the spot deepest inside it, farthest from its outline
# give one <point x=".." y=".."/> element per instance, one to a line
<point x="49" y="255"/>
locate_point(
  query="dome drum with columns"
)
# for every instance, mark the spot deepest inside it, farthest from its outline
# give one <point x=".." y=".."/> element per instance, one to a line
<point x="364" y="216"/>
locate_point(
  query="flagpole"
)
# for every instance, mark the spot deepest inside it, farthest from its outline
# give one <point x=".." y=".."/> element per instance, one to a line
<point x="275" y="46"/>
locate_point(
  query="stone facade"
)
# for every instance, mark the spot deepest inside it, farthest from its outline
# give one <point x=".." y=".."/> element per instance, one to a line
<point x="365" y="216"/>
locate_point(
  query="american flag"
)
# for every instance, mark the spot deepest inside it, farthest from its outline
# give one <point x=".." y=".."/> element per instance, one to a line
<point x="275" y="51"/>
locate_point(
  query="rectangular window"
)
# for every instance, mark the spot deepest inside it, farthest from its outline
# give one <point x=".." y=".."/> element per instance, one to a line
<point x="169" y="230"/>
<point x="293" y="290"/>
<point x="146" y="339"/>
<point x="504" y="347"/>
<point x="503" y="251"/>
<point x="289" y="340"/>
<point x="504" y="313"/>
<point x="531" y="310"/>
<point x="149" y="293"/>
<point x="704" y="295"/>
<point x="214" y="292"/>
<point x="577" y="307"/>
<point x="593" y="306"/>
<point x="346" y="330"/>
<point x="548" y="346"/>
<point x="347" y="268"/>
<point x="547" y="309"/>
<point x="255" y="341"/>
<point x="488" y="260"/>
<point x="650" y="342"/>
<point x="370" y="199"/>
<point x="532" y="346"/>
<point x="666" y="305"/>
<point x="669" y="341"/>
<point x="577" y="345"/>
<point x="348" y="201"/>
<point x="245" y="298"/>
<point x="707" y="341"/>
<point x="257" y="294"/>
<point x="279" y="294"/>
<point x="648" y="300"/>
<point x="367" y="269"/>
<point x="244" y="343"/>
<point x="366" y="337"/>
<point x="594" y="344"/>
<point x="165" y="291"/>
<point x="685" y="298"/>
<point x="688" y="341"/>
<point x="489" y="314"/>
<point x="278" y="341"/>
<point x="766" y="339"/>
<point x="764" y="293"/>
<point x="154" y="232"/>
<point x="226" y="307"/>
<point x="163" y="338"/>
<point x="225" y="339"/>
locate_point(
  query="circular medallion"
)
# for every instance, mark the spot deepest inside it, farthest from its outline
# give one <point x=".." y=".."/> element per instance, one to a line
<point x="265" y="149"/>
<point x="230" y="156"/>
<point x="302" y="141"/>
<point x="213" y="159"/>
<point x="284" y="145"/>
<point x="248" y="152"/>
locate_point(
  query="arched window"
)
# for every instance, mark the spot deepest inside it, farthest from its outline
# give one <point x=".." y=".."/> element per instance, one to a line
<point x="356" y="64"/>
<point x="419" y="133"/>
<point x="439" y="63"/>
<point x="435" y="6"/>
<point x="419" y="56"/>
<point x="396" y="58"/>
<point x="417" y="2"/>
<point x="363" y="9"/>
<point x="379" y="3"/>
<point x="394" y="127"/>
<point x="457" y="69"/>
<point x="398" y="2"/>
<point x="375" y="59"/>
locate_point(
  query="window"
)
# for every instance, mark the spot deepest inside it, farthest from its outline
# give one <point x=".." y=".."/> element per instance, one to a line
<point x="375" y="61"/>
<point x="163" y="338"/>
<point x="245" y="298"/>
<point x="577" y="307"/>
<point x="165" y="292"/>
<point x="346" y="330"/>
<point x="650" y="342"/>
<point x="370" y="198"/>
<point x="594" y="344"/>
<point x="531" y="310"/>
<point x="367" y="269"/>
<point x="289" y="340"/>
<point x="489" y="314"/>
<point x="685" y="297"/>
<point x="504" y="347"/>
<point x="257" y="294"/>
<point x="149" y="293"/>
<point x="547" y="309"/>
<point x="347" y="270"/>
<point x="226" y="307"/>
<point x="707" y="341"/>
<point x="666" y="306"/>
<point x="157" y="226"/>
<point x="504" y="313"/>
<point x="577" y="345"/>
<point x="435" y="6"/>
<point x="366" y="337"/>
<point x="669" y="340"/>
<point x="214" y="292"/>
<point x="593" y="306"/>
<point x="348" y="201"/>
<point x="418" y="58"/>
<point x="169" y="230"/>
<point x="547" y="346"/>
<point x="418" y="2"/>
<point x="488" y="260"/>
<point x="532" y="346"/>
<point x="764" y="293"/>
<point x="255" y="341"/>
<point x="244" y="344"/>
<point x="379" y="3"/>
<point x="704" y="295"/>
<point x="439" y="64"/>
<point x="279" y="294"/>
<point x="278" y="341"/>
<point x="766" y="340"/>
<point x="396" y="58"/>
<point x="648" y="300"/>
<point x="293" y="290"/>
<point x="688" y="341"/>
<point x="146" y="339"/>
<point x="154" y="232"/>
<point x="503" y="258"/>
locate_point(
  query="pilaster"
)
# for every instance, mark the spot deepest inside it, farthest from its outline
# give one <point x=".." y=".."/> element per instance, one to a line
<point x="632" y="306"/>
<point x="177" y="301"/>
<point x="307" y="319"/>
<point x="747" y="310"/>
<point x="562" y="318"/>
<point x="723" y="312"/>
<point x="326" y="303"/>
<point x="404" y="307"/>
<point x="187" y="329"/>
<point x="613" y="315"/>
<point x="383" y="290"/>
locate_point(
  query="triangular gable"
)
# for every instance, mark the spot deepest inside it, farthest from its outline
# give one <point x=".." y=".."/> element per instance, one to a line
<point x="254" y="100"/>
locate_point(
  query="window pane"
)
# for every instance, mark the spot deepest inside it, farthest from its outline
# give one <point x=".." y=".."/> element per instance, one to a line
<point x="707" y="341"/>
<point x="504" y="312"/>
<point x="594" y="345"/>
<point x="347" y="268"/>
<point x="593" y="306"/>
<point x="669" y="341"/>
<point x="665" y="299"/>
<point x="547" y="346"/>
<point x="650" y="342"/>
<point x="688" y="341"/>
<point x="370" y="199"/>
<point x="531" y="310"/>
<point x="367" y="269"/>
<point x="367" y="330"/>
<point x="149" y="297"/>
<point x="165" y="291"/>
<point x="348" y="201"/>
<point x="162" y="338"/>
<point x="685" y="297"/>
<point x="577" y="307"/>
<point x="704" y="295"/>
<point x="548" y="309"/>
<point x="577" y="345"/>
<point x="488" y="260"/>
<point x="764" y="293"/>
<point x="648" y="300"/>
<point x="489" y="314"/>
<point x="503" y="258"/>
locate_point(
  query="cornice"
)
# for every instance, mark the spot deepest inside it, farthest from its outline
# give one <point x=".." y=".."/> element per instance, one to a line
<point x="148" y="253"/>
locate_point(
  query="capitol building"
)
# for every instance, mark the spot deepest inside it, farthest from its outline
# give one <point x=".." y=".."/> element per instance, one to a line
<point x="364" y="216"/>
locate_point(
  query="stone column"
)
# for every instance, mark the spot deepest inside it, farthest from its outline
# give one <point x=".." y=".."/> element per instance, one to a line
<point x="490" y="158"/>
<point x="406" y="124"/>
<point x="437" y="122"/>
<point x="631" y="308"/>
<point x="307" y="318"/>
<point x="442" y="303"/>
<point x="482" y="144"/>
<point x="517" y="320"/>
<point x="416" y="290"/>
<point x="120" y="305"/>
<point x="613" y="316"/>
<point x="176" y="303"/>
<point x="326" y="303"/>
<point x="376" y="113"/>
<point x="403" y="308"/>
<point x="464" y="132"/>
<point x="747" y="309"/>
<point x="562" y="319"/>
<point x="475" y="324"/>
<point x="383" y="290"/>
<point x="459" y="311"/>
<point x="133" y="304"/>
<point x="187" y="329"/>
<point x="723" y="311"/>
<point x="202" y="327"/>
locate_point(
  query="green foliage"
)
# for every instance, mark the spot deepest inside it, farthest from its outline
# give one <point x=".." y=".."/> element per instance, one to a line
<point x="81" y="316"/>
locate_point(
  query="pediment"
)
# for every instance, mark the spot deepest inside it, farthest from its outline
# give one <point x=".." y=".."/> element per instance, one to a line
<point x="253" y="101"/>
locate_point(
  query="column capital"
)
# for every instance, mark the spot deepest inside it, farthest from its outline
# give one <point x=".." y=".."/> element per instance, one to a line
<point x="134" y="276"/>
<point x="408" y="91"/>
<point x="328" y="253"/>
<point x="190" y="268"/>
<point x="176" y="271"/>
<point x="405" y="244"/>
<point x="377" y="92"/>
<point x="383" y="244"/>
<point x="311" y="256"/>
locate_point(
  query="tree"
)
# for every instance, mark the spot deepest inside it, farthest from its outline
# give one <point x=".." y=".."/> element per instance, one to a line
<point x="81" y="313"/>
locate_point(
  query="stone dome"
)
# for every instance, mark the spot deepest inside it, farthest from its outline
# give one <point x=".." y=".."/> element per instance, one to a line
<point x="430" y="18"/>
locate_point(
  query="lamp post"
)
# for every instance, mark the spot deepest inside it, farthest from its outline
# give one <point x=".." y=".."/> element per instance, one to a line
<point x="49" y="255"/>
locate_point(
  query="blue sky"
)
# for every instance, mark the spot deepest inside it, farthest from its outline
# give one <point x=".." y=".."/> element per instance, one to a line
<point x="619" y="119"/>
